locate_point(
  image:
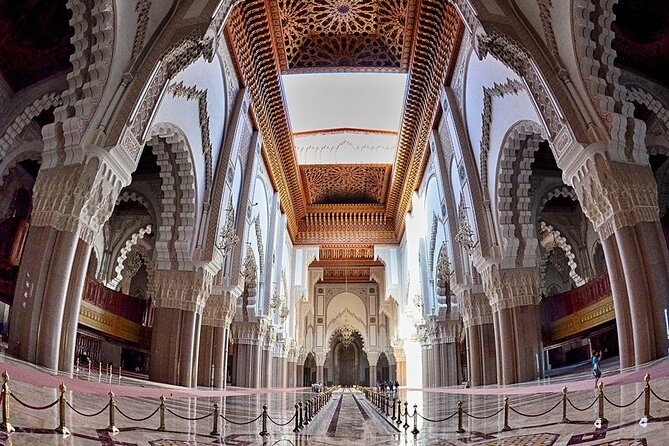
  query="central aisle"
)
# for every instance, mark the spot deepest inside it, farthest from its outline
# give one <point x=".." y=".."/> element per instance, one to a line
<point x="350" y="415"/>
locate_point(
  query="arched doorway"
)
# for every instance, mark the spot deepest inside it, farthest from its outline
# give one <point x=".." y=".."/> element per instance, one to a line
<point x="348" y="359"/>
<point x="382" y="368"/>
<point x="309" y="370"/>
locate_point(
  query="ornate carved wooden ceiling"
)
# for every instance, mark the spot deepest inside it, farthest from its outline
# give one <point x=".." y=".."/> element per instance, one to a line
<point x="345" y="183"/>
<point x="343" y="34"/>
<point x="271" y="37"/>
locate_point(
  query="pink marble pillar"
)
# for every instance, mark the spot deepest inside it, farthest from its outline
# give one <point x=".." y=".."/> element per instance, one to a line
<point x="488" y="354"/>
<point x="29" y="293"/>
<point x="653" y="249"/>
<point x="205" y="357"/>
<point x="55" y="295"/>
<point x="220" y="356"/>
<point x="72" y="306"/>
<point x="498" y="348"/>
<point x="643" y="332"/>
<point x="620" y="301"/>
<point x="507" y="342"/>
<point x="474" y="355"/>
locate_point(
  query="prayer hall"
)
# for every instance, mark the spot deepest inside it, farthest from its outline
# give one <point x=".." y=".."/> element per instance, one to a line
<point x="324" y="222"/>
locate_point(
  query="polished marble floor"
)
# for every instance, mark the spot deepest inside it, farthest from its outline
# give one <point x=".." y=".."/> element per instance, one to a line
<point x="349" y="418"/>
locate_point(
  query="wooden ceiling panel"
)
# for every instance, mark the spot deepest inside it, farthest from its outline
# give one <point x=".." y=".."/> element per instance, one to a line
<point x="345" y="183"/>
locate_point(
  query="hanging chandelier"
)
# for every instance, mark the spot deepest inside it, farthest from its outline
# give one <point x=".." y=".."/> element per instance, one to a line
<point x="346" y="333"/>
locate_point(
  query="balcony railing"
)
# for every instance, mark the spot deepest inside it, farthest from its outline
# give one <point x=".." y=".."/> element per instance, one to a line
<point x="128" y="307"/>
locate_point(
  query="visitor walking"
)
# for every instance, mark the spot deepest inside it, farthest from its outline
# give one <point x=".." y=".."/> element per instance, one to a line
<point x="596" y="369"/>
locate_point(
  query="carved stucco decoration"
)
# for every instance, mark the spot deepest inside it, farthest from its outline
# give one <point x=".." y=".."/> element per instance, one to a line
<point x="345" y="183"/>
<point x="78" y="199"/>
<point x="345" y="33"/>
<point x="552" y="239"/>
<point x="510" y="288"/>
<point x="183" y="290"/>
<point x="475" y="309"/>
<point x="614" y="195"/>
<point x="511" y="86"/>
<point x="192" y="93"/>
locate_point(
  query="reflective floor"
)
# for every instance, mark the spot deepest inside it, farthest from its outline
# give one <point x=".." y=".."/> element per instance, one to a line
<point x="349" y="418"/>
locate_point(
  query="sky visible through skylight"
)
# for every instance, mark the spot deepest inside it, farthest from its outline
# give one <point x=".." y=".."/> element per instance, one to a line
<point x="354" y="100"/>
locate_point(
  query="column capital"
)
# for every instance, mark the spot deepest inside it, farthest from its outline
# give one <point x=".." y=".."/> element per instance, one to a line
<point x="246" y="332"/>
<point x="444" y="331"/>
<point x="218" y="311"/>
<point x="77" y="198"/>
<point x="183" y="290"/>
<point x="510" y="288"/>
<point x="614" y="194"/>
<point x="474" y="308"/>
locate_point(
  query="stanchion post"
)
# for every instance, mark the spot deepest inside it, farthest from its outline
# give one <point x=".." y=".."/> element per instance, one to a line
<point x="415" y="430"/>
<point x="214" y="432"/>
<point x="161" y="428"/>
<point x="301" y="418"/>
<point x="394" y="403"/>
<point x="119" y="374"/>
<point x="112" y="408"/>
<point x="399" y="413"/>
<point x="460" y="429"/>
<point x="565" y="420"/>
<point x="89" y="369"/>
<point x="6" y="425"/>
<point x="406" y="415"/>
<point x="646" y="400"/>
<point x="263" y="432"/>
<point x="506" y="415"/>
<point x="76" y="366"/>
<point x="601" y="419"/>
<point x="61" y="429"/>
<point x="297" y="419"/>
<point x="387" y="403"/>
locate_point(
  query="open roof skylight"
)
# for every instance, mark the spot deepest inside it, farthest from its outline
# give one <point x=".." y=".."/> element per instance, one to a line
<point x="345" y="114"/>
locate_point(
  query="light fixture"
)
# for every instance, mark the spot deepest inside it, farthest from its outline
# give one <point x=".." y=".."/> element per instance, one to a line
<point x="227" y="238"/>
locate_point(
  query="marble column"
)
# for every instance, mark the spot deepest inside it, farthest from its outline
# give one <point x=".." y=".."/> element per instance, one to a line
<point x="299" y="375"/>
<point x="489" y="359"/>
<point x="474" y="356"/>
<point x="55" y="295"/>
<point x="220" y="357"/>
<point x="205" y="375"/>
<point x="172" y="346"/>
<point x="621" y="201"/>
<point x="72" y="306"/>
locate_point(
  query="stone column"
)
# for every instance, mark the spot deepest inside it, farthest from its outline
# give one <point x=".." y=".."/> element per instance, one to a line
<point x="513" y="293"/>
<point x="621" y="201"/>
<point x="72" y="306"/>
<point x="400" y="359"/>
<point x="299" y="375"/>
<point x="478" y="322"/>
<point x="373" y="358"/>
<point x="247" y="360"/>
<point x="205" y="375"/>
<point x="180" y="297"/>
<point x="70" y="205"/>
<point x="320" y="362"/>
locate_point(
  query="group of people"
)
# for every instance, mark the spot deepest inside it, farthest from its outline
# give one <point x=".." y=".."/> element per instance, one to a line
<point x="383" y="386"/>
<point x="316" y="387"/>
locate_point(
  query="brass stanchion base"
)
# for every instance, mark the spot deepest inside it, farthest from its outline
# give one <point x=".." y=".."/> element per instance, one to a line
<point x="63" y="430"/>
<point x="7" y="427"/>
<point x="112" y="429"/>
<point x="215" y="433"/>
<point x="506" y="429"/>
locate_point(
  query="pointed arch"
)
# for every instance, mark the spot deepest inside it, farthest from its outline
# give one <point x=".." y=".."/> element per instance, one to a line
<point x="176" y="232"/>
<point x="519" y="241"/>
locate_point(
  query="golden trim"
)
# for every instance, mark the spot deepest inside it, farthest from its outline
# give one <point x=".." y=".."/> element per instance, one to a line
<point x="110" y="323"/>
<point x="589" y="317"/>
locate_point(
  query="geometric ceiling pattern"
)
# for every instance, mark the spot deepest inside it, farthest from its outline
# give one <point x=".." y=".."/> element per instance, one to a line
<point x="345" y="203"/>
<point x="345" y="183"/>
<point x="344" y="34"/>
